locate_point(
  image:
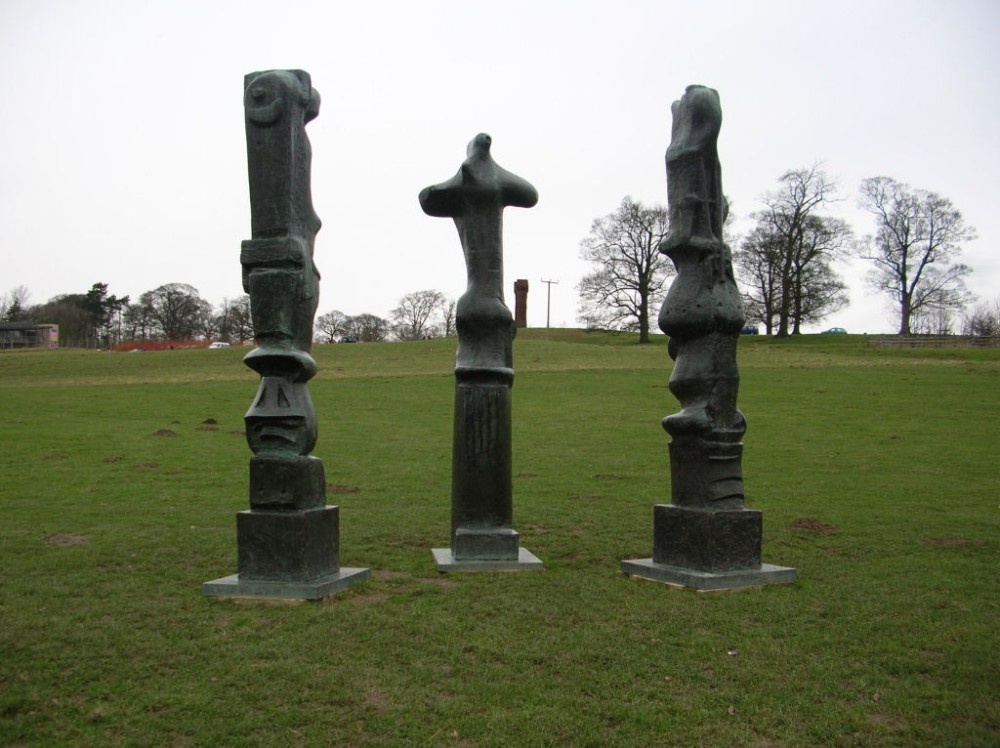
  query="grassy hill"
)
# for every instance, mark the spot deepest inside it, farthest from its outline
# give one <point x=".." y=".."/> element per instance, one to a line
<point x="875" y="470"/>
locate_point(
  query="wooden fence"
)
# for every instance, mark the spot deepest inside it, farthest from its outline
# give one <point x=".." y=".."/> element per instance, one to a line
<point x="933" y="341"/>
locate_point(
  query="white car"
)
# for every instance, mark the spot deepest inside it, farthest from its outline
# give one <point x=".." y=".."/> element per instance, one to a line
<point x="219" y="345"/>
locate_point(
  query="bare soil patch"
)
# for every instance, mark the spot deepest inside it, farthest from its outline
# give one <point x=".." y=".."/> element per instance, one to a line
<point x="65" y="538"/>
<point x="814" y="525"/>
<point x="953" y="542"/>
<point x="338" y="488"/>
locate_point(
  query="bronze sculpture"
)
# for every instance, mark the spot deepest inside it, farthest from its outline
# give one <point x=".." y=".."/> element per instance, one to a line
<point x="706" y="538"/>
<point x="482" y="533"/>
<point x="289" y="540"/>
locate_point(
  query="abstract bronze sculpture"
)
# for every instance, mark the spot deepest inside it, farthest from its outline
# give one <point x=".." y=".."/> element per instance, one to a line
<point x="482" y="533"/>
<point x="289" y="540"/>
<point x="706" y="538"/>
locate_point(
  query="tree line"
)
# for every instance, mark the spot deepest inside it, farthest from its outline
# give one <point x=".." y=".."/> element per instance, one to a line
<point x="177" y="312"/>
<point x="786" y="264"/>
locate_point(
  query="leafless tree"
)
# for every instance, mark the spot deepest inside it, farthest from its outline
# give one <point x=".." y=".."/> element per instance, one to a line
<point x="332" y="326"/>
<point x="918" y="236"/>
<point x="367" y="328"/>
<point x="447" y="311"/>
<point x="785" y="262"/>
<point x="174" y="311"/>
<point x="411" y="317"/>
<point x="66" y="311"/>
<point x="14" y="304"/>
<point x="983" y="319"/>
<point x="631" y="273"/>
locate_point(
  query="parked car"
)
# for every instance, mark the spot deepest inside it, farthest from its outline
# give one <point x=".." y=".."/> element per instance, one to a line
<point x="219" y="345"/>
<point x="834" y="331"/>
<point x="750" y="330"/>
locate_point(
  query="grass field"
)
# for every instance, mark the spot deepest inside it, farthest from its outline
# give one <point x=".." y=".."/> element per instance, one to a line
<point x="876" y="471"/>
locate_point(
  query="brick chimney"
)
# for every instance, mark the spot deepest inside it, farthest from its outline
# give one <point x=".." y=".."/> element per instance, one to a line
<point x="521" y="302"/>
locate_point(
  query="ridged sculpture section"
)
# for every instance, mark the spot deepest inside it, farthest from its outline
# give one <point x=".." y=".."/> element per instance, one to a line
<point x="289" y="539"/>
<point x="705" y="538"/>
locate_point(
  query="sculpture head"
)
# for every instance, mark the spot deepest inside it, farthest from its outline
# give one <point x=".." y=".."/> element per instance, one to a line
<point x="271" y="93"/>
<point x="479" y="181"/>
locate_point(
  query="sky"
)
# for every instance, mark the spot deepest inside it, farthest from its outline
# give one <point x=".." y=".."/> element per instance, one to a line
<point x="123" y="147"/>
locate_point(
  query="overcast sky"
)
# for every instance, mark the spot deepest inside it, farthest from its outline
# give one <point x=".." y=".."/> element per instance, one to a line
<point x="123" y="152"/>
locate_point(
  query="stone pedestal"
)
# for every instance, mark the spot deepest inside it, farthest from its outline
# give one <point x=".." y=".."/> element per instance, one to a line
<point x="707" y="549"/>
<point x="288" y="542"/>
<point x="485" y="549"/>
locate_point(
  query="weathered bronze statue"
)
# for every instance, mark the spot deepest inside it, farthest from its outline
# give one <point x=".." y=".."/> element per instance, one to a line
<point x="482" y="533"/>
<point x="705" y="538"/>
<point x="289" y="541"/>
<point x="702" y="314"/>
<point x="278" y="269"/>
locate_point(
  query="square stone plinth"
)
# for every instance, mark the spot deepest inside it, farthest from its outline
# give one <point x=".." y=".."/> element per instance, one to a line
<point x="289" y="546"/>
<point x="525" y="561"/>
<point x="706" y="539"/>
<point x="485" y="544"/>
<point x="234" y="588"/>
<point x="646" y="568"/>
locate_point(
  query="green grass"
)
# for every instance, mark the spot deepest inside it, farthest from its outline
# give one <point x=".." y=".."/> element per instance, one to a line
<point x="888" y="638"/>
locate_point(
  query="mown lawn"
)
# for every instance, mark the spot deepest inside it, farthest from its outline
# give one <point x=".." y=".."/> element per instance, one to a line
<point x="876" y="471"/>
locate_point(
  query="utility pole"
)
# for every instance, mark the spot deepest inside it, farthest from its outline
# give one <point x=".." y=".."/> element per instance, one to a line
<point x="548" y="300"/>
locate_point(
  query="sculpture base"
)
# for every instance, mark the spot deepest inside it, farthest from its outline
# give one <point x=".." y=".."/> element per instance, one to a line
<point x="287" y="555"/>
<point x="706" y="539"/>
<point x="294" y="546"/>
<point x="524" y="561"/>
<point x="234" y="588"/>
<point x="485" y="544"/>
<point x="646" y="568"/>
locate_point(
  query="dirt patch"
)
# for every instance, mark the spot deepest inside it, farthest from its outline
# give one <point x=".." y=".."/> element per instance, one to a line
<point x="113" y="458"/>
<point x="814" y="525"/>
<point x="338" y="488"/>
<point x="54" y="456"/>
<point x="237" y="433"/>
<point x="589" y="497"/>
<point x="438" y="581"/>
<point x="383" y="574"/>
<point x="953" y="542"/>
<point x="146" y="465"/>
<point x="206" y="428"/>
<point x="65" y="538"/>
<point x="886" y="720"/>
<point x="164" y="432"/>
<point x="209" y="422"/>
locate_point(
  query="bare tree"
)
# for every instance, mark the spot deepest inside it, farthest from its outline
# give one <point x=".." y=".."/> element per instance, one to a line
<point x="983" y="319"/>
<point x="367" y="328"/>
<point x="447" y="312"/>
<point x="14" y="304"/>
<point x="785" y="261"/>
<point x="411" y="317"/>
<point x="917" y="238"/>
<point x="630" y="276"/>
<point x="332" y="326"/>
<point x="232" y="322"/>
<point x="175" y="311"/>
<point x="66" y="311"/>
<point x="758" y="266"/>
